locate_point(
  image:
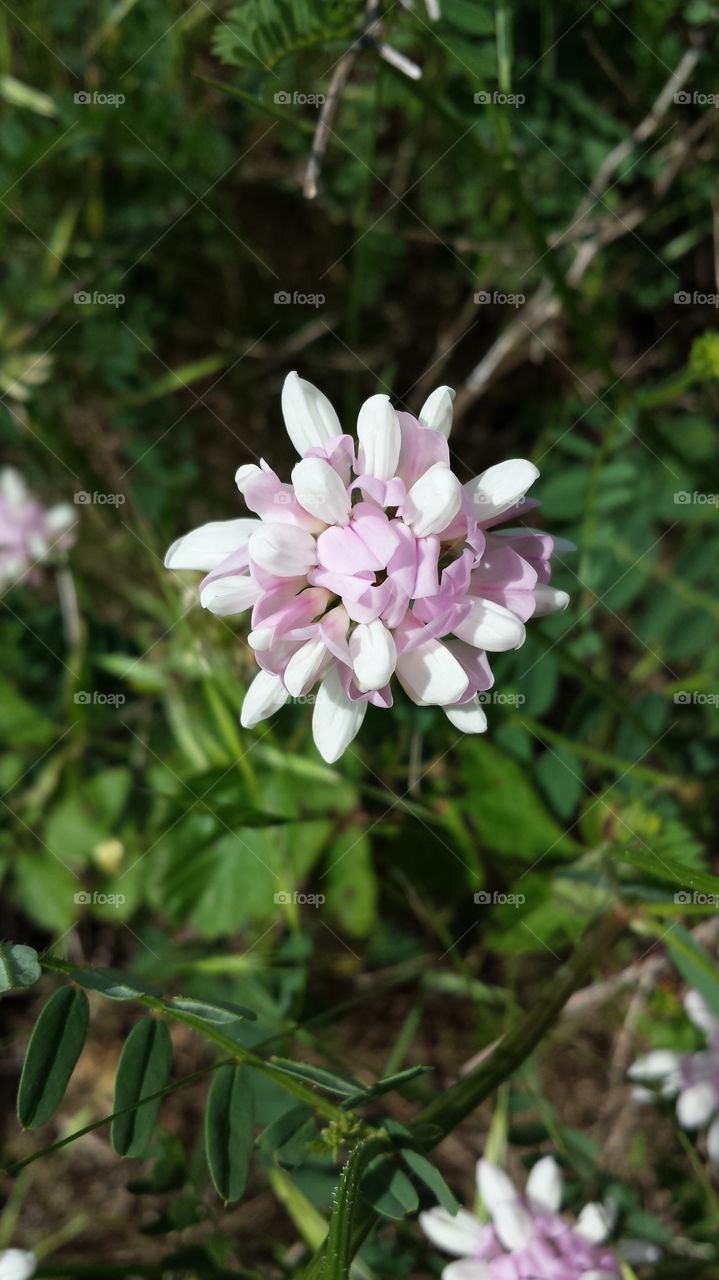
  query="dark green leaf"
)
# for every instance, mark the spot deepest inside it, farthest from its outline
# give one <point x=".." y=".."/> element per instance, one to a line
<point x="55" y="1046"/>
<point x="229" y="1125"/>
<point x="143" y="1069"/>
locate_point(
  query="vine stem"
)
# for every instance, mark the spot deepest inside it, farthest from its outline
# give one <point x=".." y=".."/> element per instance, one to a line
<point x="448" y="1109"/>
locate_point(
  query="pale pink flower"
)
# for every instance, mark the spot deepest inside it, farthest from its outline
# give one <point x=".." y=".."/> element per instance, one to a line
<point x="17" y="1264"/>
<point x="691" y="1078"/>
<point x="374" y="562"/>
<point x="527" y="1237"/>
<point x="29" y="532"/>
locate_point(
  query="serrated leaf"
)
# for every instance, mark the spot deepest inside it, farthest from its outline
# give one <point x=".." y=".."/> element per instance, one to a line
<point x="229" y="1125"/>
<point x="19" y="966"/>
<point x="143" y="1069"/>
<point x="54" y="1048"/>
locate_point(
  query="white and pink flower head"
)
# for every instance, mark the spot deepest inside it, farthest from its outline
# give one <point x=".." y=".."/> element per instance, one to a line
<point x="691" y="1078"/>
<point x="375" y="561"/>
<point x="527" y="1237"/>
<point x="29" y="532"/>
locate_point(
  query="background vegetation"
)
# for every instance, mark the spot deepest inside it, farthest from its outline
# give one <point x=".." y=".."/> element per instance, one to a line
<point x="534" y="222"/>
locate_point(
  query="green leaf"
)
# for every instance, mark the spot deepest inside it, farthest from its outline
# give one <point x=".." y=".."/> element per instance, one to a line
<point x="389" y="1083"/>
<point x="351" y="884"/>
<point x="114" y="984"/>
<point x="262" y="33"/>
<point x="217" y="1011"/>
<point x="229" y="1125"/>
<point x="695" y="965"/>
<point x="19" y="966"/>
<point x="506" y="809"/>
<point x="20" y="723"/>
<point x="668" y="869"/>
<point x="312" y="1074"/>
<point x="430" y="1175"/>
<point x="55" y="1046"/>
<point x="421" y="1167"/>
<point x="143" y="1069"/>
<point x="388" y="1190"/>
<point x="287" y="1136"/>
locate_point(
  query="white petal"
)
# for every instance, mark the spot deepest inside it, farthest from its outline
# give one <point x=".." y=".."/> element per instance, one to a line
<point x="232" y="594"/>
<point x="701" y="1015"/>
<point x="373" y="654"/>
<point x="16" y="1264"/>
<point x="544" y="1186"/>
<point x="305" y="666"/>
<point x="490" y="626"/>
<point x="595" y="1274"/>
<point x="494" y="1185"/>
<point x="13" y="489"/>
<point x="434" y="501"/>
<point x="431" y="675"/>
<point x="500" y="487"/>
<point x="336" y="719"/>
<point x="713" y="1140"/>
<point x="309" y="417"/>
<point x="379" y="438"/>
<point x="469" y="718"/>
<point x="696" y="1105"/>
<point x="265" y="695"/>
<point x="206" y="547"/>
<point x="549" y="600"/>
<point x="594" y="1223"/>
<point x="657" y="1067"/>
<point x="461" y="1234"/>
<point x="283" y="550"/>
<point x="436" y="412"/>
<point x="512" y="1224"/>
<point x="320" y="491"/>
<point x="467" y="1269"/>
<point x="60" y="518"/>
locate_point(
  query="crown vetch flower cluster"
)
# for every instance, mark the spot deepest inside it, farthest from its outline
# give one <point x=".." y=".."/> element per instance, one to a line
<point x="527" y="1237"/>
<point x="29" y="532"/>
<point x="691" y="1078"/>
<point x="374" y="561"/>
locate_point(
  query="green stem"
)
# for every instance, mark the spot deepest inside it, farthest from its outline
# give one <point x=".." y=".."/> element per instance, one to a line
<point x="456" y="1103"/>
